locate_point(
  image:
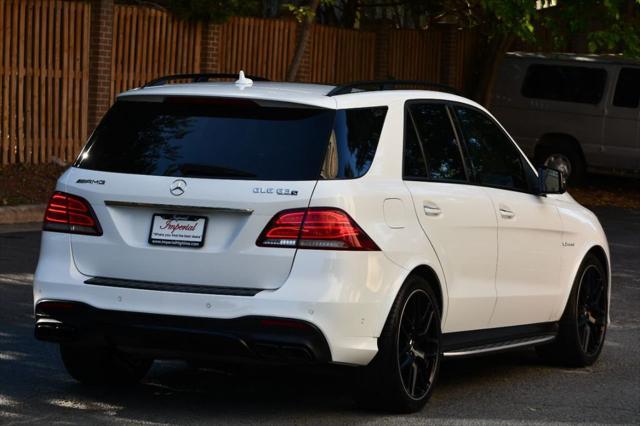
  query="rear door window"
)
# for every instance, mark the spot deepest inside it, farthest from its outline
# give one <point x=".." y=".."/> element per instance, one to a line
<point x="627" y="93"/>
<point x="429" y="132"/>
<point x="414" y="163"/>
<point x="565" y="83"/>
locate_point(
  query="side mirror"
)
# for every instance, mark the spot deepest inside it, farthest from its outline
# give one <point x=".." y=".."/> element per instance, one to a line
<point x="552" y="181"/>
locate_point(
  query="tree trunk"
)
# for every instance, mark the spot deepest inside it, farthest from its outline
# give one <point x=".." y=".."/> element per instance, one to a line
<point x="492" y="59"/>
<point x="302" y="41"/>
<point x="349" y="13"/>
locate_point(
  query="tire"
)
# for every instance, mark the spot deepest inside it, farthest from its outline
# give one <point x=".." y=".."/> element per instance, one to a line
<point x="554" y="152"/>
<point x="103" y="365"/>
<point x="402" y="381"/>
<point x="583" y="325"/>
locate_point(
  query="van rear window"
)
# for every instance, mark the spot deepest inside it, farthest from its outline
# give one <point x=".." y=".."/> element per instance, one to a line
<point x="230" y="139"/>
<point x="627" y="93"/>
<point x="565" y="83"/>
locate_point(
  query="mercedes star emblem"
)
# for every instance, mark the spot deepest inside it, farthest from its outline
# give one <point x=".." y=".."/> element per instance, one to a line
<point x="177" y="187"/>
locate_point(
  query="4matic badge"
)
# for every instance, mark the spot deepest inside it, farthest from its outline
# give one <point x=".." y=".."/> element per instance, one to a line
<point x="277" y="191"/>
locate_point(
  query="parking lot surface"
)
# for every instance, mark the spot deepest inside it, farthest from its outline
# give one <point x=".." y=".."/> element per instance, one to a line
<point x="509" y="388"/>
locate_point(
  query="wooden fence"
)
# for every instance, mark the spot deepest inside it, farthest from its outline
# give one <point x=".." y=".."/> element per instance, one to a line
<point x="44" y="63"/>
<point x="44" y="69"/>
<point x="415" y="55"/>
<point x="339" y="55"/>
<point x="148" y="43"/>
<point x="259" y="46"/>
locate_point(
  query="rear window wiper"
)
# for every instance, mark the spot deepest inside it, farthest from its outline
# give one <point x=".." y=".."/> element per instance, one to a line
<point x="204" y="170"/>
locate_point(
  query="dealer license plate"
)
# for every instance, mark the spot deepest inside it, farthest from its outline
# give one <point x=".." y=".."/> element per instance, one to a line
<point x="178" y="230"/>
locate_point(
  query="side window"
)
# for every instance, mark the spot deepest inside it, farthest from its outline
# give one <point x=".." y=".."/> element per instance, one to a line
<point x="414" y="165"/>
<point x="353" y="142"/>
<point x="564" y="83"/>
<point x="433" y="132"/>
<point x="628" y="88"/>
<point x="496" y="160"/>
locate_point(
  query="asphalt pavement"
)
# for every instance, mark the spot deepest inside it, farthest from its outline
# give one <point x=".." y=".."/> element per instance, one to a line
<point x="510" y="388"/>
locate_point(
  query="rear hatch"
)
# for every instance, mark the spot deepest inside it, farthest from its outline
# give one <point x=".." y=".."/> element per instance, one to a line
<point x="182" y="188"/>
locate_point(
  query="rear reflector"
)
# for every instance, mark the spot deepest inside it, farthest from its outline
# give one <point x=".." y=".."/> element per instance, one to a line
<point x="71" y="214"/>
<point x="320" y="228"/>
<point x="49" y="307"/>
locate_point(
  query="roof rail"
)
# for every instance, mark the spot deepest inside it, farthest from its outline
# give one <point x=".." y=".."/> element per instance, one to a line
<point x="374" y="85"/>
<point x="197" y="78"/>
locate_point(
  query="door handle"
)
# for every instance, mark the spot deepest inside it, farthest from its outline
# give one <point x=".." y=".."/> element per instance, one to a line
<point x="431" y="209"/>
<point x="506" y="212"/>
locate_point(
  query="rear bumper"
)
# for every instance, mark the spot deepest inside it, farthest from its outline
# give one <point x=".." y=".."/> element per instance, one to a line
<point x="346" y="296"/>
<point x="248" y="338"/>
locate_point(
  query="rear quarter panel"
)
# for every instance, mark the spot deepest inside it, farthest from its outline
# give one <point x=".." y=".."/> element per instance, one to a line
<point x="384" y="210"/>
<point x="382" y="206"/>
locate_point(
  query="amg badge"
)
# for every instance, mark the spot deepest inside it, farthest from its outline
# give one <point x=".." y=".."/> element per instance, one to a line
<point x="91" y="181"/>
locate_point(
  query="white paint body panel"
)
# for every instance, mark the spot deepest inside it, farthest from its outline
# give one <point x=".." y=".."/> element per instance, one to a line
<point x="124" y="252"/>
<point x="530" y="250"/>
<point x="460" y="223"/>
<point x="491" y="271"/>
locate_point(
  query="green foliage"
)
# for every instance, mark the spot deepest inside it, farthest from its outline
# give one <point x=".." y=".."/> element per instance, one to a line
<point x="619" y="28"/>
<point x="611" y="25"/>
<point x="510" y="16"/>
<point x="302" y="12"/>
<point x="619" y="34"/>
<point x="212" y="10"/>
<point x="299" y="12"/>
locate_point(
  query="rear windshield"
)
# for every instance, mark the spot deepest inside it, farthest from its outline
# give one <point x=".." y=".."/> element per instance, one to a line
<point x="232" y="139"/>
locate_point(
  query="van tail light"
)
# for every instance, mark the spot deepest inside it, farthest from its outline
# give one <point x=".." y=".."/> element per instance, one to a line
<point x="320" y="228"/>
<point x="71" y="214"/>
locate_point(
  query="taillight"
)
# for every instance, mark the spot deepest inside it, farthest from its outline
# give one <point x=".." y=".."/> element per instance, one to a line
<point x="315" y="228"/>
<point x="72" y="214"/>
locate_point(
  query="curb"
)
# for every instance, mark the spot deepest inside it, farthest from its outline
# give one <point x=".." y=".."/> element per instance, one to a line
<point x="22" y="214"/>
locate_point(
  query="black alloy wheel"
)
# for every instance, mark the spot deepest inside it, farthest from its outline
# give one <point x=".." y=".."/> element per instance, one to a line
<point x="402" y="375"/>
<point x="583" y="326"/>
<point x="592" y="310"/>
<point x="418" y="344"/>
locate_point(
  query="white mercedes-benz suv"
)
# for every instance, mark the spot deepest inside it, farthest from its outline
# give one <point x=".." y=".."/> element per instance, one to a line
<point x="298" y="223"/>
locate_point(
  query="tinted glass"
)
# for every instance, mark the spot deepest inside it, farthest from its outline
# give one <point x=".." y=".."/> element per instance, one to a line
<point x="353" y="142"/>
<point x="230" y="139"/>
<point x="496" y="160"/>
<point x="414" y="163"/>
<point x="628" y="88"/>
<point x="565" y="83"/>
<point x="434" y="130"/>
